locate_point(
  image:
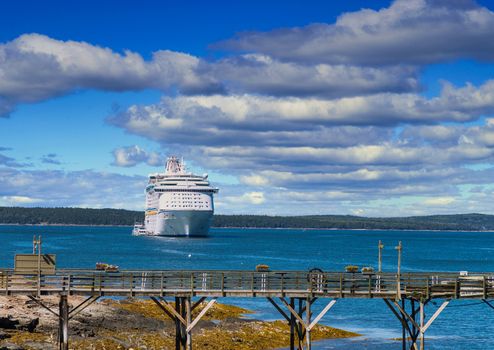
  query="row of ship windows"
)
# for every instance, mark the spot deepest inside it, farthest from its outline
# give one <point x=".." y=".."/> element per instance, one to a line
<point x="186" y="206"/>
<point x="189" y="202"/>
<point x="185" y="195"/>
<point x="182" y="184"/>
<point x="181" y="191"/>
<point x="188" y="194"/>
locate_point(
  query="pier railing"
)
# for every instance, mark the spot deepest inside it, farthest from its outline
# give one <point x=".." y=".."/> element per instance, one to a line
<point x="251" y="283"/>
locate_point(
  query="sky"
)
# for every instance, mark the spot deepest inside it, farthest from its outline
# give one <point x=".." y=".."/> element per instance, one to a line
<point x="373" y="108"/>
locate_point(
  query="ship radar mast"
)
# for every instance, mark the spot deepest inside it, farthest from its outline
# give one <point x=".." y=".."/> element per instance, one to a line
<point x="174" y="166"/>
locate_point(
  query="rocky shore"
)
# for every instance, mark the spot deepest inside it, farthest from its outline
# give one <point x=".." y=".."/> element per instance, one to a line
<point x="139" y="324"/>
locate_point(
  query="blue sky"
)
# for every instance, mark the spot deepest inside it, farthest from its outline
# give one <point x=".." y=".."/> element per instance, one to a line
<point x="302" y="107"/>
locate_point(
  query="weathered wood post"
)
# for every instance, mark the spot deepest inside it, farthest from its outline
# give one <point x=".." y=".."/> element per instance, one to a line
<point x="308" y="316"/>
<point x="413" y="315"/>
<point x="183" y="331"/>
<point x="188" y="318"/>
<point x="178" y="326"/>
<point x="403" y="330"/>
<point x="292" y="325"/>
<point x="300" y="330"/>
<point x="422" y="318"/>
<point x="63" y="322"/>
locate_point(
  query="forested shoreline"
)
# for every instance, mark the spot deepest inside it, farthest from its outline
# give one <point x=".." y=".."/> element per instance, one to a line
<point x="111" y="217"/>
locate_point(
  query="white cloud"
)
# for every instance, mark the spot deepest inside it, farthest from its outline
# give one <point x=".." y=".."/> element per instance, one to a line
<point x="34" y="67"/>
<point x="439" y="201"/>
<point x="218" y="119"/>
<point x="262" y="74"/>
<point x="71" y="188"/>
<point x="18" y="200"/>
<point x="132" y="155"/>
<point x="450" y="135"/>
<point x="409" y="31"/>
<point x="255" y="198"/>
<point x="9" y="161"/>
<point x="254" y="180"/>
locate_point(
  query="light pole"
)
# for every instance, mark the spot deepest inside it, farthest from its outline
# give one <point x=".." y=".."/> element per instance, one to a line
<point x="380" y="246"/>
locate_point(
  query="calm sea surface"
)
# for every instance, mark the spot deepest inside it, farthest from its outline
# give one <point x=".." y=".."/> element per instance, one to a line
<point x="464" y="325"/>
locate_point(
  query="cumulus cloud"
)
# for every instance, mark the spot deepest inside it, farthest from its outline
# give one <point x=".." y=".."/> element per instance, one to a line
<point x="85" y="188"/>
<point x="255" y="198"/>
<point x="404" y="194"/>
<point x="297" y="151"/>
<point x="18" y="200"/>
<point x="262" y="74"/>
<point x="220" y="119"/>
<point x="450" y="135"/>
<point x="439" y="201"/>
<point x="370" y="200"/>
<point x="34" y="67"/>
<point x="50" y="158"/>
<point x="379" y="178"/>
<point x="409" y="31"/>
<point x="9" y="161"/>
<point x="363" y="53"/>
<point x="384" y="155"/>
<point x="132" y="155"/>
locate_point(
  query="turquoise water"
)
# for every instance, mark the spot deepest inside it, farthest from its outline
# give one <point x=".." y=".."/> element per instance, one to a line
<point x="463" y="325"/>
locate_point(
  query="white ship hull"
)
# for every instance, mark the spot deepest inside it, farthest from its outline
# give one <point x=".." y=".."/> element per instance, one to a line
<point x="183" y="223"/>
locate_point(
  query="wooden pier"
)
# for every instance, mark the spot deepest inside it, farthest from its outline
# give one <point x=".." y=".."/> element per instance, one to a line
<point x="292" y="294"/>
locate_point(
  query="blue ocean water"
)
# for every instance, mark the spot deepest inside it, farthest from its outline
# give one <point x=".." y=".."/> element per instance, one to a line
<point x="465" y="325"/>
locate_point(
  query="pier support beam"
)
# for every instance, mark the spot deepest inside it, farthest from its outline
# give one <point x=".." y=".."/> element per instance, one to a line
<point x="64" y="314"/>
<point x="302" y="328"/>
<point x="181" y="314"/>
<point x="413" y="322"/>
<point x="488" y="303"/>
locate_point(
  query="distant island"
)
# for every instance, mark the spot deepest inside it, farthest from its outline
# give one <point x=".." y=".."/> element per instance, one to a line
<point x="113" y="217"/>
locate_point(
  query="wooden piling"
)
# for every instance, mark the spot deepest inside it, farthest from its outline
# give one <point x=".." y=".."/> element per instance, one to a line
<point x="178" y="326"/>
<point x="63" y="323"/>
<point x="308" y="322"/>
<point x="188" y="318"/>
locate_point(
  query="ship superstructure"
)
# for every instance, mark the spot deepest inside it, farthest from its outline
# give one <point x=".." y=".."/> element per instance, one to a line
<point x="178" y="203"/>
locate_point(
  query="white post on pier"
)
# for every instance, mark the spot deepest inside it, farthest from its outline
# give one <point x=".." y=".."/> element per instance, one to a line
<point x="399" y="248"/>
<point x="37" y="250"/>
<point x="380" y="247"/>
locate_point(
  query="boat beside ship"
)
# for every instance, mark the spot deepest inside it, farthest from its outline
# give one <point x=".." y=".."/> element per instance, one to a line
<point x="139" y="229"/>
<point x="178" y="203"/>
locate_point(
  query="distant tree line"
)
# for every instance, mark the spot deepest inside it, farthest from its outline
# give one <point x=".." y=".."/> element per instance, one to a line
<point x="69" y="216"/>
<point x="82" y="216"/>
<point x="459" y="222"/>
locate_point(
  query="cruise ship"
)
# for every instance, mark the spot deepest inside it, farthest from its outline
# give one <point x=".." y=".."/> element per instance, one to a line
<point x="178" y="203"/>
